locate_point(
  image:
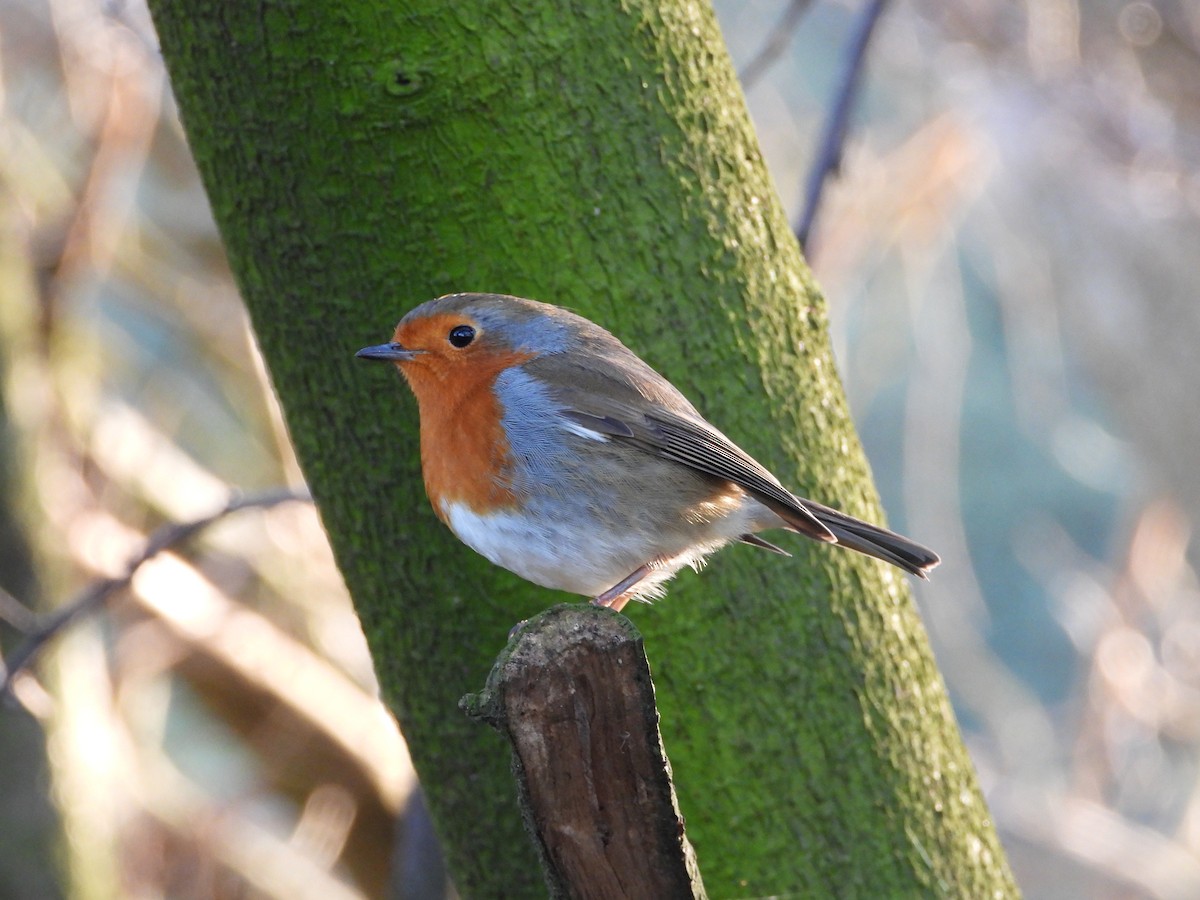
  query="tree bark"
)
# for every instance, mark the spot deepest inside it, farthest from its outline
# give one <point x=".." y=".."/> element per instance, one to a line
<point x="364" y="156"/>
<point x="573" y="696"/>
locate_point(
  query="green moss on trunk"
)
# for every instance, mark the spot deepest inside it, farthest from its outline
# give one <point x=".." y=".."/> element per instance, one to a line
<point x="364" y="156"/>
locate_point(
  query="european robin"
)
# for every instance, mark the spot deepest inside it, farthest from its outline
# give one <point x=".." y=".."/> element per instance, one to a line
<point x="554" y="451"/>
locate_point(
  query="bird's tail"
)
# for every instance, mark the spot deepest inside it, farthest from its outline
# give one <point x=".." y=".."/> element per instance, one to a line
<point x="875" y="541"/>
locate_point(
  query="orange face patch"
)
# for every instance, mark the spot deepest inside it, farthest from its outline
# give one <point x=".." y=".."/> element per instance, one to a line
<point x="465" y="453"/>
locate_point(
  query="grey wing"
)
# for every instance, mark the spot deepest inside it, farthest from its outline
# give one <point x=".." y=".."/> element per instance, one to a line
<point x="704" y="449"/>
<point x="631" y="410"/>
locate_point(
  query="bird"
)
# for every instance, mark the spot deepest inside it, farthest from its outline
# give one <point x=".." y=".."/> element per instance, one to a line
<point x="554" y="451"/>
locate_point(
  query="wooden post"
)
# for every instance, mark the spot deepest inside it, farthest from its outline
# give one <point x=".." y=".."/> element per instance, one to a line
<point x="573" y="695"/>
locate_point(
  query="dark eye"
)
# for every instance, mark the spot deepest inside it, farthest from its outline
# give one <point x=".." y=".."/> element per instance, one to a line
<point x="461" y="335"/>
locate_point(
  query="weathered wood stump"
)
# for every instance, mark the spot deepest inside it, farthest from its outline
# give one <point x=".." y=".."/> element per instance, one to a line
<point x="573" y="695"/>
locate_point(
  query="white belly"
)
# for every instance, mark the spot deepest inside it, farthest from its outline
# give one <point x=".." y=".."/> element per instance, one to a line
<point x="589" y="564"/>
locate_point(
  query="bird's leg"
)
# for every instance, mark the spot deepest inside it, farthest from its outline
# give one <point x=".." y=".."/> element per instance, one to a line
<point x="614" y="598"/>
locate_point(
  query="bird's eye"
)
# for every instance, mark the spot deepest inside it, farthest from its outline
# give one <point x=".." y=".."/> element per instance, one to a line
<point x="461" y="335"/>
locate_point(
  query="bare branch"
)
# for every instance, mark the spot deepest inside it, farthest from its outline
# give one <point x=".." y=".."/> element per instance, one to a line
<point x="777" y="40"/>
<point x="16" y="613"/>
<point x="95" y="594"/>
<point x="829" y="152"/>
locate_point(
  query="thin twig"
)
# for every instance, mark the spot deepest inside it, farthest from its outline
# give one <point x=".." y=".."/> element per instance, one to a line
<point x="95" y="594"/>
<point x="777" y="40"/>
<point x="829" y="153"/>
<point x="16" y="613"/>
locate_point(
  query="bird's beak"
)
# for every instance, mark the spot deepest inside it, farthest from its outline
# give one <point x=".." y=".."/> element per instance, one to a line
<point x="392" y="352"/>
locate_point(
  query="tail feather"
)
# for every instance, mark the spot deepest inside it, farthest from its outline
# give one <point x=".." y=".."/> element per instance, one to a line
<point x="875" y="541"/>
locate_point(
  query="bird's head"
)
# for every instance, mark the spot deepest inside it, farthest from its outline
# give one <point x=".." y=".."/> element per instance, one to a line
<point x="471" y="335"/>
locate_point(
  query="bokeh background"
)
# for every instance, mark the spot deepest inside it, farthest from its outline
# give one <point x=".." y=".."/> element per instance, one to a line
<point x="1011" y="255"/>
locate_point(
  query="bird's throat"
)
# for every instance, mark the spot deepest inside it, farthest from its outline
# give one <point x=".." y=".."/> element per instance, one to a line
<point x="465" y="453"/>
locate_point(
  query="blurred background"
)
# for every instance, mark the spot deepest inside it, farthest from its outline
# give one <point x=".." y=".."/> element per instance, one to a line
<point x="1011" y="254"/>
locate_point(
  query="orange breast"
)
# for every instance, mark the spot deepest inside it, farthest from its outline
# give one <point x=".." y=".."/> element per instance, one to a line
<point x="465" y="455"/>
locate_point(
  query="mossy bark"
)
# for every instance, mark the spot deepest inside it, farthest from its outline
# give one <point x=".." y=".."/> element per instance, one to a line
<point x="364" y="156"/>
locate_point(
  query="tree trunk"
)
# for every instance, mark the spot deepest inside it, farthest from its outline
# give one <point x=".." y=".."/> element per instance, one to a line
<point x="364" y="156"/>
